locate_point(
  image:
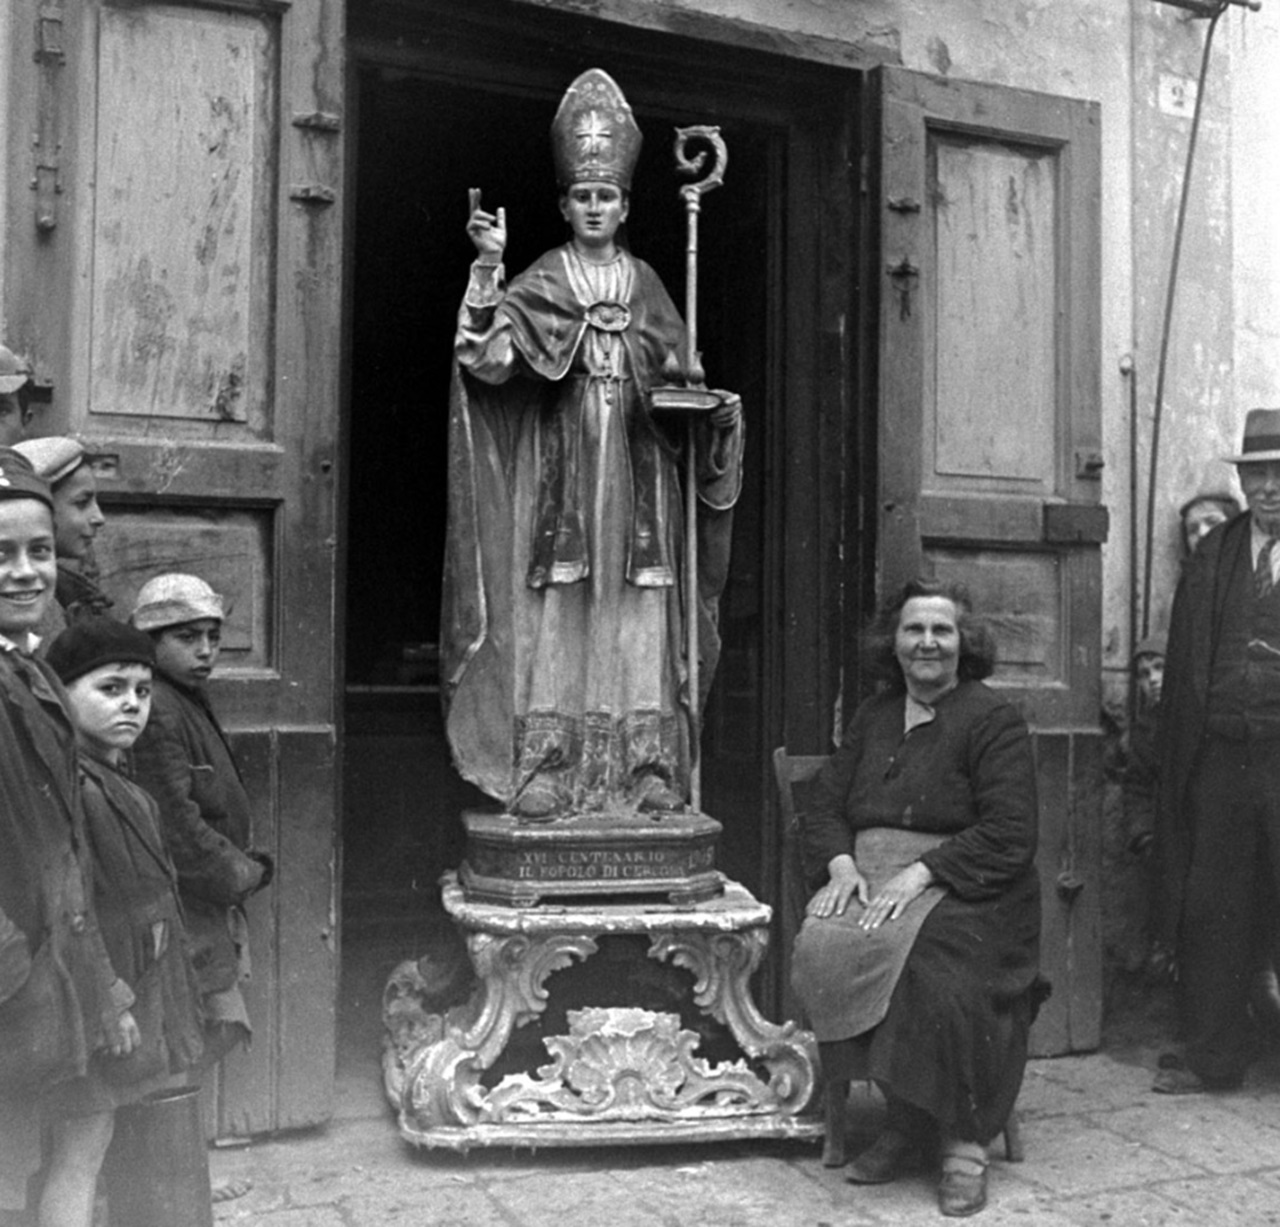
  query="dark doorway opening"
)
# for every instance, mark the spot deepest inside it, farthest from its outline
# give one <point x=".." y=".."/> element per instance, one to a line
<point x="476" y="112"/>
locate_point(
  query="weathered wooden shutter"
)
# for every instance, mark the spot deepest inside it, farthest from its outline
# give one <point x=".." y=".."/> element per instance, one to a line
<point x="989" y="456"/>
<point x="194" y="257"/>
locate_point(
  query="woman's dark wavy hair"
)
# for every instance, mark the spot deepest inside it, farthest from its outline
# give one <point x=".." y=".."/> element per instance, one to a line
<point x="977" y="645"/>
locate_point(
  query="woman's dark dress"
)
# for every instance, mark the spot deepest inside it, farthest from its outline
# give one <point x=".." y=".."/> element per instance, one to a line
<point x="954" y="1040"/>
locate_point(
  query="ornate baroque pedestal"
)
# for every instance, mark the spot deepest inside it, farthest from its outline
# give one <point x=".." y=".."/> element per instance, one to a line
<point x="598" y="1023"/>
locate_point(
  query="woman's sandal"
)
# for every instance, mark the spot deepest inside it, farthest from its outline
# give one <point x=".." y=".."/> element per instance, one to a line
<point x="963" y="1188"/>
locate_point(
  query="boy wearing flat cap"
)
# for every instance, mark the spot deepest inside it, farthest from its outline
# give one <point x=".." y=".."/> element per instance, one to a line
<point x="184" y="760"/>
<point x="1218" y="803"/>
<point x="61" y="1004"/>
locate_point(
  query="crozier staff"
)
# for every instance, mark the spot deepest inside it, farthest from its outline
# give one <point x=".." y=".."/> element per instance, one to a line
<point x="564" y="653"/>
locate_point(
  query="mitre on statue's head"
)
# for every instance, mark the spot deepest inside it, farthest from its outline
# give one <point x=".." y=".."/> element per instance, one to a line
<point x="594" y="137"/>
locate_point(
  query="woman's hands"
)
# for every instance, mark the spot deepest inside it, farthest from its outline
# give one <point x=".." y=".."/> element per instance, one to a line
<point x="488" y="232"/>
<point x="846" y="882"/>
<point x="895" y="894"/>
<point x="843" y="884"/>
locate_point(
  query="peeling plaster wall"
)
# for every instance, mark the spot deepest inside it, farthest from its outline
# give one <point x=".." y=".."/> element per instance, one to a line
<point x="1255" y="206"/>
<point x="1198" y="424"/>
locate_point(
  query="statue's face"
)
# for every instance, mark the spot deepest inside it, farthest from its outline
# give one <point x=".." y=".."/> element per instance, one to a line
<point x="594" y="212"/>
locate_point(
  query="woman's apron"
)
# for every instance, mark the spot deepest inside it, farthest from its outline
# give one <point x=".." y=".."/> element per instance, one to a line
<point x="845" y="975"/>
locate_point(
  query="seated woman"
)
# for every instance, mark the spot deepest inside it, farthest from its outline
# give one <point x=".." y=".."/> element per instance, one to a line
<point x="918" y="959"/>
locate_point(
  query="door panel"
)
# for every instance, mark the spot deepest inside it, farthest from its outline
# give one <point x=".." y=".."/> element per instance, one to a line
<point x="204" y="370"/>
<point x="180" y="308"/>
<point x="987" y="203"/>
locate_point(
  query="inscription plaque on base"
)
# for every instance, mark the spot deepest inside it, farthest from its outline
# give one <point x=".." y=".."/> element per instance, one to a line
<point x="519" y="863"/>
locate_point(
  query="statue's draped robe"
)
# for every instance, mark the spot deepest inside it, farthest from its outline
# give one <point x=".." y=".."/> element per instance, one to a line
<point x="563" y="642"/>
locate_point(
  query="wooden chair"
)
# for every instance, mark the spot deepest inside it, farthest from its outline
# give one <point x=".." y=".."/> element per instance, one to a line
<point x="790" y="770"/>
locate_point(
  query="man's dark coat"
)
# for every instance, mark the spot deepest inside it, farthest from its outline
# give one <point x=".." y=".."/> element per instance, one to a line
<point x="1194" y="631"/>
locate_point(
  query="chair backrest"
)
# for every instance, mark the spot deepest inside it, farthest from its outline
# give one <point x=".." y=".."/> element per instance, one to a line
<point x="788" y="771"/>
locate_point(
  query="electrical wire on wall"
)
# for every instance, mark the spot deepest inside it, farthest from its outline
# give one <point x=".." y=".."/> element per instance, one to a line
<point x="1213" y="10"/>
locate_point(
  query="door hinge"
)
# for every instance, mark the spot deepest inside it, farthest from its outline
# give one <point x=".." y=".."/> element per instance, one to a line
<point x="312" y="193"/>
<point x="317" y="121"/>
<point x="47" y="184"/>
<point x="903" y="274"/>
<point x="1089" y="464"/>
<point x="1069" y="886"/>
<point x="50" y="55"/>
<point x="49" y="47"/>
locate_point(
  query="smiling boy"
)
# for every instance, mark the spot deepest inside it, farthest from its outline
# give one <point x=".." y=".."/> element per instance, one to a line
<point x="48" y="930"/>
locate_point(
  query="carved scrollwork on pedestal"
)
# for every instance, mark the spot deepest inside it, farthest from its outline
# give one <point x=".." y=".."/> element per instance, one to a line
<point x="438" y="1083"/>
<point x="623" y="1072"/>
<point x="722" y="965"/>
<point x="627" y="1064"/>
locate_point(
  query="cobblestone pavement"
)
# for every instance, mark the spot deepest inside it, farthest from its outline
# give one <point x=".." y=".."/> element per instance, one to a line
<point x="1101" y="1149"/>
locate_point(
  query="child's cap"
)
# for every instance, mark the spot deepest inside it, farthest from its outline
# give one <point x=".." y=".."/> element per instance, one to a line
<point x="93" y="642"/>
<point x="1152" y="645"/>
<point x="12" y="373"/>
<point x="168" y="600"/>
<point x="53" y="457"/>
<point x="18" y="478"/>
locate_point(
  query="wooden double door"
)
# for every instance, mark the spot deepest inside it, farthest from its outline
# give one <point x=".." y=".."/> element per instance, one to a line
<point x="247" y="311"/>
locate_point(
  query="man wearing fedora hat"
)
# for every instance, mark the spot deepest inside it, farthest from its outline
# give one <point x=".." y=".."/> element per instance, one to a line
<point x="1218" y="839"/>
